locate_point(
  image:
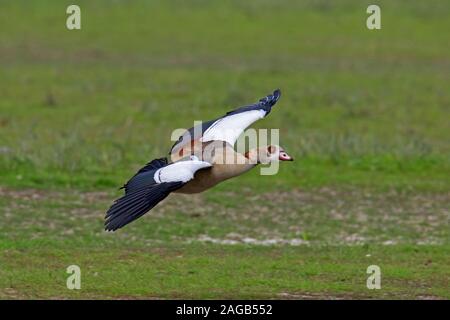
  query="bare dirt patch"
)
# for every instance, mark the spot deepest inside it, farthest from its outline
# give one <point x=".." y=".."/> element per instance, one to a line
<point x="295" y="217"/>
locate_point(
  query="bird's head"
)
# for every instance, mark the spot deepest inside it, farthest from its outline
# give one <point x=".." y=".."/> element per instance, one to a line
<point x="273" y="153"/>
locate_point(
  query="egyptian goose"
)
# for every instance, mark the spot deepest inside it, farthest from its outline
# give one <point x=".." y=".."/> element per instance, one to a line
<point x="201" y="158"/>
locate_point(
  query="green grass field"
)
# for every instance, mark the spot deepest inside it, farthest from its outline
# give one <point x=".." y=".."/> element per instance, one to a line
<point x="364" y="113"/>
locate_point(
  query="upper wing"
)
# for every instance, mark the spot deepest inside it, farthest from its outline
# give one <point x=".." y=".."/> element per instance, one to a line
<point x="229" y="127"/>
<point x="148" y="187"/>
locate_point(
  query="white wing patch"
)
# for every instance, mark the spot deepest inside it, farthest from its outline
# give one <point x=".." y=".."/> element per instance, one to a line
<point x="180" y="171"/>
<point x="231" y="127"/>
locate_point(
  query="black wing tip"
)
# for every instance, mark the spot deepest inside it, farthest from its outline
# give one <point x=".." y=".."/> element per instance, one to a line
<point x="271" y="99"/>
<point x="276" y="94"/>
<point x="108" y="224"/>
<point x="112" y="225"/>
<point x="109" y="229"/>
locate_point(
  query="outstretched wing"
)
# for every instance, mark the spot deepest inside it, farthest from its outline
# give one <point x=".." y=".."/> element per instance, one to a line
<point x="229" y="127"/>
<point x="135" y="204"/>
<point x="148" y="187"/>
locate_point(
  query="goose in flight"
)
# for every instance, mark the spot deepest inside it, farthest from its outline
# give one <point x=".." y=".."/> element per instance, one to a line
<point x="201" y="158"/>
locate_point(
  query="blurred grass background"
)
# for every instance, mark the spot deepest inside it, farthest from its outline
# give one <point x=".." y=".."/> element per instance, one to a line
<point x="86" y="108"/>
<point x="364" y="113"/>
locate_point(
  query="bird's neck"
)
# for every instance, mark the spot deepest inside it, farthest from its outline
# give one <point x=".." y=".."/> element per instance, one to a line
<point x="256" y="156"/>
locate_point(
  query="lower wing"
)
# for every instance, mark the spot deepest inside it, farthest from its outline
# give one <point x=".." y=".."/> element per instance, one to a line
<point x="148" y="187"/>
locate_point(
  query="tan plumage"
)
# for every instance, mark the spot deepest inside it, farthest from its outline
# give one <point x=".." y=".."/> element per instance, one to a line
<point x="226" y="164"/>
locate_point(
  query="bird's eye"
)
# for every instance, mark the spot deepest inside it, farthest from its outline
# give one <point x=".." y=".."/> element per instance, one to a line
<point x="271" y="149"/>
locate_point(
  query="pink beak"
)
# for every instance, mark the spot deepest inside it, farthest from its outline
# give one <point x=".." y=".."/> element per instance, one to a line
<point x="285" y="157"/>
